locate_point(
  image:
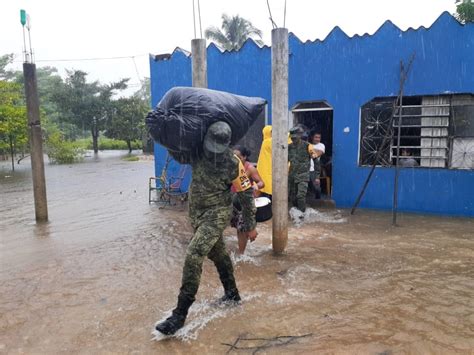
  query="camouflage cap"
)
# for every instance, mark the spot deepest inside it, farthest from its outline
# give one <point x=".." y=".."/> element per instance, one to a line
<point x="217" y="138"/>
<point x="296" y="131"/>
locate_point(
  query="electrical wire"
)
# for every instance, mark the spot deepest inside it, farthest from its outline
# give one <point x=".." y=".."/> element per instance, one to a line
<point x="136" y="69"/>
<point x="284" y="17"/>
<point x="199" y="12"/>
<point x="194" y="19"/>
<point x="87" y="59"/>
<point x="271" y="18"/>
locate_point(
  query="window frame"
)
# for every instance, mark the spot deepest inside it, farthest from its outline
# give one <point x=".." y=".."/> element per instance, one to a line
<point x="450" y="136"/>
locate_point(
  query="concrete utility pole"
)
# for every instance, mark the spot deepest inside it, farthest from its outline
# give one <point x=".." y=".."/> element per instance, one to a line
<point x="199" y="58"/>
<point x="280" y="138"/>
<point x="36" y="142"/>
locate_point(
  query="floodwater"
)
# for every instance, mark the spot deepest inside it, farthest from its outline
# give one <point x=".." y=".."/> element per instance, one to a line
<point x="107" y="266"/>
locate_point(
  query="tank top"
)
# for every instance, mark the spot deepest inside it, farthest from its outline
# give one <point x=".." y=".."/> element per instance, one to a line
<point x="242" y="181"/>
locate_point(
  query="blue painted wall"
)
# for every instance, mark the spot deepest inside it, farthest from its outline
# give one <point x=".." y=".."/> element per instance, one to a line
<point x="348" y="72"/>
<point x="169" y="73"/>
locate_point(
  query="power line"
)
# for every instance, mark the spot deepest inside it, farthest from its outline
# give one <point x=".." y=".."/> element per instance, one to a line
<point x="87" y="59"/>
<point x="199" y="12"/>
<point x="271" y="18"/>
<point x="194" y="19"/>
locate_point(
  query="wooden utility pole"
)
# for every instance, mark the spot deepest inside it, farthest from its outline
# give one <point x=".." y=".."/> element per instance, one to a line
<point x="280" y="139"/>
<point x="199" y="62"/>
<point x="36" y="142"/>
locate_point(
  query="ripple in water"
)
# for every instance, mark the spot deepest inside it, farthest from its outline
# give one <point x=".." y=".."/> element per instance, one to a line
<point x="312" y="216"/>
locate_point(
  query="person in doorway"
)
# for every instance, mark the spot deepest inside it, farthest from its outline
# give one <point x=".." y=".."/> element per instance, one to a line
<point x="299" y="155"/>
<point x="210" y="208"/>
<point x="244" y="210"/>
<point x="406" y="160"/>
<point x="315" y="164"/>
<point x="264" y="163"/>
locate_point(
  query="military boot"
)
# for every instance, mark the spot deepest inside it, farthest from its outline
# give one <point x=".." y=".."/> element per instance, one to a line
<point x="226" y="275"/>
<point x="177" y="319"/>
<point x="230" y="296"/>
<point x="301" y="205"/>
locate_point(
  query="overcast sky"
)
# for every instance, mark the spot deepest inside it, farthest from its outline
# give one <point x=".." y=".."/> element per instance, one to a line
<point x="71" y="29"/>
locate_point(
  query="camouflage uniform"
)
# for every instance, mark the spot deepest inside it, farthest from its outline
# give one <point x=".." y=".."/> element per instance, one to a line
<point x="210" y="209"/>
<point x="315" y="174"/>
<point x="298" y="176"/>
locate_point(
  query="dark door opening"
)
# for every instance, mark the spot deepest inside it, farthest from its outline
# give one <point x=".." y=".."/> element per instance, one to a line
<point x="317" y="116"/>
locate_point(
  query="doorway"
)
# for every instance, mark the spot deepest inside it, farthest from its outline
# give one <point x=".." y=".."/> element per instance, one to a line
<point x="317" y="116"/>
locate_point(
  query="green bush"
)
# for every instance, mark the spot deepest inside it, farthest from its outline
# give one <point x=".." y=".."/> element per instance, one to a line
<point x="83" y="143"/>
<point x="61" y="151"/>
<point x="108" y="144"/>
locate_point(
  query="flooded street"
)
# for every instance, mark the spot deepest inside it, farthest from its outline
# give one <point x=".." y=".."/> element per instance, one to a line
<point x="108" y="265"/>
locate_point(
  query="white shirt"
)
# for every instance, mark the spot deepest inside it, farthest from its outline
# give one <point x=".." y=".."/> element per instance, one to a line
<point x="322" y="148"/>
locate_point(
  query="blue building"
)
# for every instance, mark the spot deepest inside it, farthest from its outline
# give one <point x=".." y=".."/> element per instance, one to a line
<point x="345" y="87"/>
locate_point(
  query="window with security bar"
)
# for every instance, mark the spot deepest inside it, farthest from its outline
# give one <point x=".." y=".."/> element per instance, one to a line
<point x="428" y="131"/>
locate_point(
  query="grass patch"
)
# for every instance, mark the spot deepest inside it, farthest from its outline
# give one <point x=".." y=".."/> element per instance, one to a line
<point x="108" y="144"/>
<point x="131" y="158"/>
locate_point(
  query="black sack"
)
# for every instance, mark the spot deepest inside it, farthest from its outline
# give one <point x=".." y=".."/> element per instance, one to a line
<point x="181" y="119"/>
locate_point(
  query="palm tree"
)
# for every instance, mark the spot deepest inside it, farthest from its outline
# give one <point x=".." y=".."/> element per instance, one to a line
<point x="235" y="31"/>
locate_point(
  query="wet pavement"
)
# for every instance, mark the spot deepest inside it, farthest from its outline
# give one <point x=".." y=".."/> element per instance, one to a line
<point x="108" y="265"/>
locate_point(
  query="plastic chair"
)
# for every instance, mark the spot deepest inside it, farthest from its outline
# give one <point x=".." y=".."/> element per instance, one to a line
<point x="168" y="188"/>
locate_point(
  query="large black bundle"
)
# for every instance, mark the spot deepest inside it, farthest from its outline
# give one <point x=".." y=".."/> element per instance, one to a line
<point x="180" y="120"/>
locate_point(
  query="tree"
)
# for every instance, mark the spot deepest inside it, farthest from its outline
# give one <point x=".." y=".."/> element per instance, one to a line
<point x="126" y="123"/>
<point x="465" y="11"/>
<point x="4" y="61"/>
<point x="235" y="31"/>
<point x="13" y="127"/>
<point x="144" y="93"/>
<point x="49" y="84"/>
<point x="87" y="105"/>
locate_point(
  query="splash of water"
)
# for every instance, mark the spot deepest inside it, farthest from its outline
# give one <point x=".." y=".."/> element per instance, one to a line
<point x="312" y="216"/>
<point x="200" y="314"/>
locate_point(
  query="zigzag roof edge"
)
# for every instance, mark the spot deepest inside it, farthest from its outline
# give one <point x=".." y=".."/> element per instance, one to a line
<point x="336" y="29"/>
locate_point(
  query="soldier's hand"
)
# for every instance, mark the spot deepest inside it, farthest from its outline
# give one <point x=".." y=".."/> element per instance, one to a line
<point x="252" y="235"/>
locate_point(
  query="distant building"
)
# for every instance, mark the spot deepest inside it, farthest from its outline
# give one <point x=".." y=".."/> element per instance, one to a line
<point x="345" y="87"/>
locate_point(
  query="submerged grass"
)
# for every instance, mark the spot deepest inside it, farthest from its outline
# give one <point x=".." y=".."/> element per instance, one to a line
<point x="131" y="158"/>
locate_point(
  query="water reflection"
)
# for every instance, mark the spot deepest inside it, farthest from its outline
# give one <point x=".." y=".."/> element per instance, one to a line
<point x="42" y="230"/>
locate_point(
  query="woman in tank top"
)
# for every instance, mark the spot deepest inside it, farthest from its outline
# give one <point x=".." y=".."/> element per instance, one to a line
<point x="238" y="216"/>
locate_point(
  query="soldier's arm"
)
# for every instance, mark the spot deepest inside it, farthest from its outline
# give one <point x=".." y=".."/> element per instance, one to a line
<point x="248" y="210"/>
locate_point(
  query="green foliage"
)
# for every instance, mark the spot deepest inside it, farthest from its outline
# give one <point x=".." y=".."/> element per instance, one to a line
<point x="127" y="123"/>
<point x="87" y="105"/>
<point x="4" y="61"/>
<point x="131" y="158"/>
<point x="144" y="93"/>
<point x="61" y="151"/>
<point x="13" y="121"/>
<point x="74" y="106"/>
<point x="465" y="11"/>
<point x="235" y="31"/>
<point x="108" y="144"/>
